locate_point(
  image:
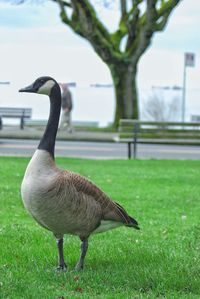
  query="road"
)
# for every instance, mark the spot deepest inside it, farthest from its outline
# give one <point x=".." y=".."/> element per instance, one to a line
<point x="99" y="150"/>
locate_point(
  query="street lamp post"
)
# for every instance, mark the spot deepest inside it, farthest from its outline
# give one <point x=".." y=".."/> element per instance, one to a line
<point x="189" y="60"/>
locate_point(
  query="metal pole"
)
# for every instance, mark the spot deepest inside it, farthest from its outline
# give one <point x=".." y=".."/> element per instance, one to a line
<point x="129" y="150"/>
<point x="135" y="136"/>
<point x="184" y="92"/>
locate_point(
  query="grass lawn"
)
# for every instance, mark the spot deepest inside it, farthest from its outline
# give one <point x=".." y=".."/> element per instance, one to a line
<point x="162" y="260"/>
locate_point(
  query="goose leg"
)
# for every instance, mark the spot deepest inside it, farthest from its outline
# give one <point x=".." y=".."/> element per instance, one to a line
<point x="62" y="265"/>
<point x="84" y="247"/>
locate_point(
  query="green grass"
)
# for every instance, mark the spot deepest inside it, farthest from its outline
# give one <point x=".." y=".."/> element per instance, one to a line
<point x="160" y="261"/>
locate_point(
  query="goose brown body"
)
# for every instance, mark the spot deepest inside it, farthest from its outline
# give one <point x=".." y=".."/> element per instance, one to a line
<point x="65" y="202"/>
<point x="62" y="201"/>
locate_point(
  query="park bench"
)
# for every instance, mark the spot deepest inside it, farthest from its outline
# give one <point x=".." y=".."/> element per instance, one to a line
<point x="134" y="132"/>
<point x="9" y="112"/>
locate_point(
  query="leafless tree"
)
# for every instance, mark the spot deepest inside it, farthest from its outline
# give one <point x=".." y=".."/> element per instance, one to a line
<point x="157" y="108"/>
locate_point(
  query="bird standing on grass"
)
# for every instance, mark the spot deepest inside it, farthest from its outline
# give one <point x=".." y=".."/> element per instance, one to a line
<point x="60" y="200"/>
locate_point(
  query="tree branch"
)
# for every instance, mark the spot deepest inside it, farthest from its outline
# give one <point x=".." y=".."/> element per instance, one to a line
<point x="132" y="26"/>
<point x="160" y="25"/>
<point x="152" y="20"/>
<point x="128" y="23"/>
<point x="63" y="14"/>
<point x="144" y="33"/>
<point x="64" y="3"/>
<point x="139" y="29"/>
<point x="167" y="6"/>
<point x="85" y="22"/>
<point x="164" y="12"/>
<point x="123" y="6"/>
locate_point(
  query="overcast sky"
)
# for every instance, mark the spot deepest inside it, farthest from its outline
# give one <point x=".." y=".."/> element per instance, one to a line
<point x="34" y="42"/>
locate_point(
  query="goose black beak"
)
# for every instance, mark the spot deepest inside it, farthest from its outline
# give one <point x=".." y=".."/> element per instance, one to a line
<point x="29" y="88"/>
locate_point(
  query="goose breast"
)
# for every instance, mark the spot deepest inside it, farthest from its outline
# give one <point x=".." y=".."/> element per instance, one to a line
<point x="56" y="200"/>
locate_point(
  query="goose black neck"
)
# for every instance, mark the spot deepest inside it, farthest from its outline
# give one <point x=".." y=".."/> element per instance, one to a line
<point x="48" y="140"/>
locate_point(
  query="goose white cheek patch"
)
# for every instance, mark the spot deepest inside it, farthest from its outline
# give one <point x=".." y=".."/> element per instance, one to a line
<point x="46" y="88"/>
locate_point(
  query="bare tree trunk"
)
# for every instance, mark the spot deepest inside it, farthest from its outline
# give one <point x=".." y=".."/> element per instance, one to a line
<point x="124" y="79"/>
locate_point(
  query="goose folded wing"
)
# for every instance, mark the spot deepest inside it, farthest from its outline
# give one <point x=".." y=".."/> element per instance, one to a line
<point x="110" y="209"/>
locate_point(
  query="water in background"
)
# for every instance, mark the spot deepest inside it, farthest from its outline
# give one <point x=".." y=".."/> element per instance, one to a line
<point x="92" y="103"/>
<point x="89" y="103"/>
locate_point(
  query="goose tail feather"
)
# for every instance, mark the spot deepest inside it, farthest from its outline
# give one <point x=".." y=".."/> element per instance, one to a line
<point x="133" y="223"/>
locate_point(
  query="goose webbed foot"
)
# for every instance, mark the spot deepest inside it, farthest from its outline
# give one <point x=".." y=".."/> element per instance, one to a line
<point x="61" y="266"/>
<point x="84" y="247"/>
<point x="79" y="267"/>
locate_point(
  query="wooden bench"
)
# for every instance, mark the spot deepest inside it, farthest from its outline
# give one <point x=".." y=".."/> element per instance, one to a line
<point x="133" y="132"/>
<point x="22" y="113"/>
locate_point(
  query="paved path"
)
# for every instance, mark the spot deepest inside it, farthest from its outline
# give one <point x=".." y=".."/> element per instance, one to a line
<point x="99" y="150"/>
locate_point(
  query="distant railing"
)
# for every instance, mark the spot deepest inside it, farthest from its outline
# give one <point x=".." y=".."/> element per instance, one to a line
<point x="75" y="123"/>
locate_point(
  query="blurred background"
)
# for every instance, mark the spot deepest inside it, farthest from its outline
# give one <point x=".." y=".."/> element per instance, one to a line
<point x="35" y="42"/>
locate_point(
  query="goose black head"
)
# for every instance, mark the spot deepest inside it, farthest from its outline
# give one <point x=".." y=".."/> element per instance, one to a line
<point x="42" y="85"/>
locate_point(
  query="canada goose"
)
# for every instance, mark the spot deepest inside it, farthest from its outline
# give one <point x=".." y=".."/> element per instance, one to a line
<point x="62" y="201"/>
